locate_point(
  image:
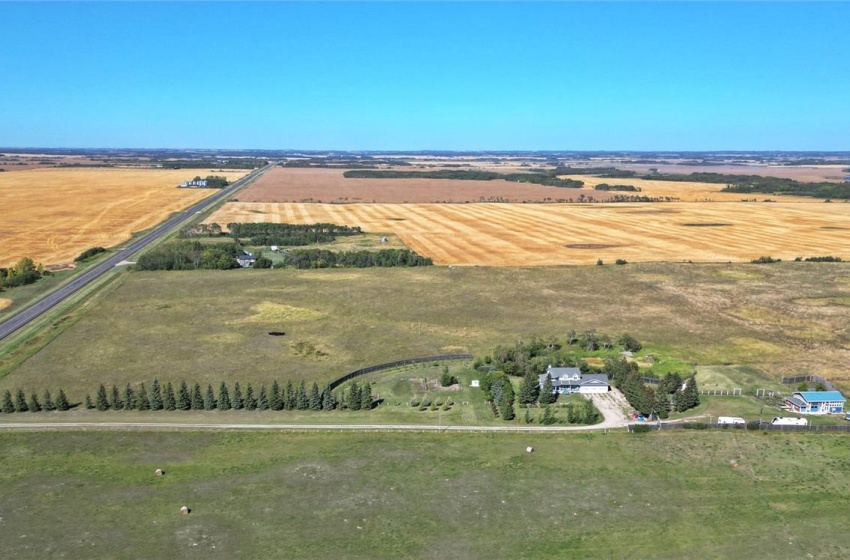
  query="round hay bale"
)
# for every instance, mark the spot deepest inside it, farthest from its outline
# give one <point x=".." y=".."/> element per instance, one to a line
<point x="159" y="472"/>
<point x="185" y="510"/>
<point x="733" y="463"/>
<point x="529" y="449"/>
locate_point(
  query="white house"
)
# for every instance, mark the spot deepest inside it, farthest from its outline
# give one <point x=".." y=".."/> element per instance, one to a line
<point x="572" y="380"/>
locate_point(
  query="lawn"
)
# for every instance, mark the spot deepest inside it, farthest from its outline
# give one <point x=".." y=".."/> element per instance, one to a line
<point x="394" y="495"/>
<point x="207" y="326"/>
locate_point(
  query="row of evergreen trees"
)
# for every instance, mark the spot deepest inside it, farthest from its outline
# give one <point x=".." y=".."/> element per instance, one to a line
<point x="20" y="403"/>
<point x="159" y="397"/>
<point x="647" y="400"/>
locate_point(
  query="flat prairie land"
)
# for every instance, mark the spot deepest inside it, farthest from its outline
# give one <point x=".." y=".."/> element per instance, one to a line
<point x="493" y="234"/>
<point x="803" y="173"/>
<point x="207" y="326"/>
<point x="329" y="185"/>
<point x="670" y="495"/>
<point x="52" y="215"/>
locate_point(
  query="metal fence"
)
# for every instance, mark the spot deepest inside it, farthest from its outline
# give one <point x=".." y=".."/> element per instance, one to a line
<point x="763" y="426"/>
<point x="363" y="371"/>
<point x="721" y="392"/>
<point x="808" y="378"/>
<point x="651" y="380"/>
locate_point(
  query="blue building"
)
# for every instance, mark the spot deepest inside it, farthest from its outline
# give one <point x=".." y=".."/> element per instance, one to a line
<point x="816" y="402"/>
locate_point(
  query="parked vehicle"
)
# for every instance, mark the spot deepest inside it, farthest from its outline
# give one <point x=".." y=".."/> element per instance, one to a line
<point x="730" y="420"/>
<point x="789" y="421"/>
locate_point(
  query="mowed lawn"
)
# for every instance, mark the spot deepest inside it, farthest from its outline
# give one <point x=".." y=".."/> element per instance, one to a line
<point x="209" y="326"/>
<point x="400" y="495"/>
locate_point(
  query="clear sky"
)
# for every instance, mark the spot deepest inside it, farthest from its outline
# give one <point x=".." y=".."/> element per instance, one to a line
<point x="407" y="76"/>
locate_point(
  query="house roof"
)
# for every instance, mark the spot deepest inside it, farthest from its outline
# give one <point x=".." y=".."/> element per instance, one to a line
<point x="795" y="401"/>
<point x="584" y="379"/>
<point x="821" y="396"/>
<point x="561" y="371"/>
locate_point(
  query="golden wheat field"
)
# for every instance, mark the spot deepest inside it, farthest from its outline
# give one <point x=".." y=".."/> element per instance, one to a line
<point x="552" y="234"/>
<point x="52" y="215"/>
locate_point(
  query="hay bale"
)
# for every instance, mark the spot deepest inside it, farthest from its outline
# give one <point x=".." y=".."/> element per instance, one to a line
<point x="529" y="449"/>
<point x="185" y="510"/>
<point x="159" y="472"/>
<point x="733" y="463"/>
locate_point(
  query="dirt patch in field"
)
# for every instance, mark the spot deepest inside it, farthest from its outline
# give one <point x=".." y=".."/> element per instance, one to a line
<point x="4" y="303"/>
<point x="328" y="185"/>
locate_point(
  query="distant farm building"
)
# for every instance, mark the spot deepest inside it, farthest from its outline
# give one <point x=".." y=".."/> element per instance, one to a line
<point x="197" y="183"/>
<point x="816" y="402"/>
<point x="572" y="380"/>
<point x="246" y="260"/>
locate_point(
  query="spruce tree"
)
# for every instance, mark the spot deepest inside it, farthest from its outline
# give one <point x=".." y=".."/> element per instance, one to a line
<point x="250" y="401"/>
<point x="129" y="398"/>
<point x="662" y="403"/>
<point x="315" y="397"/>
<point x="62" y="401"/>
<point x="20" y="401"/>
<point x="8" y="406"/>
<point x="100" y="401"/>
<point x="328" y="402"/>
<point x="34" y="405"/>
<point x="289" y="400"/>
<point x="168" y="400"/>
<point x="276" y="400"/>
<point x="237" y="401"/>
<point x="116" y="403"/>
<point x="209" y="398"/>
<point x="354" y="401"/>
<point x="547" y="392"/>
<point x="143" y="402"/>
<point x="549" y="416"/>
<point x="263" y="399"/>
<point x="366" y="397"/>
<point x="184" y="399"/>
<point x="528" y="419"/>
<point x="89" y="405"/>
<point x="506" y="401"/>
<point x="302" y="402"/>
<point x="223" y="397"/>
<point x="530" y="389"/>
<point x="197" y="399"/>
<point x="47" y="401"/>
<point x="156" y="395"/>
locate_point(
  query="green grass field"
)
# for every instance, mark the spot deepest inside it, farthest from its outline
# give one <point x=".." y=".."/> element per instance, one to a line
<point x="213" y="325"/>
<point x="396" y="495"/>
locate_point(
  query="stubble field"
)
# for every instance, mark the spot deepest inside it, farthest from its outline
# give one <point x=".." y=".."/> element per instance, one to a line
<point x="553" y="234"/>
<point x="52" y="215"/>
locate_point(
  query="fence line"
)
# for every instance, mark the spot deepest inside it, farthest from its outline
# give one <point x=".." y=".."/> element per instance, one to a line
<point x="363" y="371"/>
<point x="763" y="426"/>
<point x="651" y="380"/>
<point x="807" y="378"/>
<point x="721" y="392"/>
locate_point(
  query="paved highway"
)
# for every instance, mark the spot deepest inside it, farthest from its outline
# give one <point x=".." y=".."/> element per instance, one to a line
<point x="48" y="302"/>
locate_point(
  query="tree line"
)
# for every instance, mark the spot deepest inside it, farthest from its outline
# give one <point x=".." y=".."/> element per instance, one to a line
<point x="647" y="400"/>
<point x="288" y="235"/>
<point x="549" y="178"/>
<point x="20" y="402"/>
<point x="24" y="272"/>
<point x="607" y="187"/>
<point x="190" y="255"/>
<point x="321" y="258"/>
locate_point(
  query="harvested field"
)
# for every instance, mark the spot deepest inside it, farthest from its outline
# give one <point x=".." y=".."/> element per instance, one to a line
<point x="52" y="215"/>
<point x="552" y="234"/>
<point x="804" y="173"/>
<point x="4" y="303"/>
<point x="329" y="185"/>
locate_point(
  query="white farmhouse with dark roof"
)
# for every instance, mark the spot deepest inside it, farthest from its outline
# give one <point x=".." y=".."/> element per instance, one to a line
<point x="567" y="380"/>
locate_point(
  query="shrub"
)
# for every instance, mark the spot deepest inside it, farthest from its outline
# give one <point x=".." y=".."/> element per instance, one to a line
<point x="89" y="253"/>
<point x="426" y="402"/>
<point x="694" y="426"/>
<point x="765" y="260"/>
<point x="414" y="403"/>
<point x="754" y="425"/>
<point x="641" y="428"/>
<point x="621" y="261"/>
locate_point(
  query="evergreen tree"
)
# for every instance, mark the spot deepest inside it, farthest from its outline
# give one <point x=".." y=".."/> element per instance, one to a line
<point x="238" y="403"/>
<point x="289" y="397"/>
<point x="276" y="401"/>
<point x="527" y="418"/>
<point x="20" y="401"/>
<point x="100" y="400"/>
<point x="8" y="406"/>
<point x="34" y="405"/>
<point x="301" y="400"/>
<point x="662" y="403"/>
<point x="48" y="403"/>
<point x="315" y="397"/>
<point x="547" y="392"/>
<point x="143" y="402"/>
<point x="328" y="402"/>
<point x="354" y="401"/>
<point x="129" y="398"/>
<point x="197" y="399"/>
<point x="116" y="403"/>
<point x="671" y="383"/>
<point x="209" y="398"/>
<point x="549" y="416"/>
<point x="223" y="397"/>
<point x="168" y="400"/>
<point x="366" y="397"/>
<point x="263" y="399"/>
<point x="62" y="401"/>
<point x="156" y="395"/>
<point x="184" y="398"/>
<point x="250" y="401"/>
<point x="591" y="415"/>
<point x="529" y="391"/>
<point x="506" y="401"/>
<point x="89" y="405"/>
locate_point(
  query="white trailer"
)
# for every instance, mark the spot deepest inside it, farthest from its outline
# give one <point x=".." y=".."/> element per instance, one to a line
<point x="789" y="421"/>
<point x="730" y="420"/>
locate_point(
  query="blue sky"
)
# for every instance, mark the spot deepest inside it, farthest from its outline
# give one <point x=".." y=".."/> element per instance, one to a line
<point x="407" y="76"/>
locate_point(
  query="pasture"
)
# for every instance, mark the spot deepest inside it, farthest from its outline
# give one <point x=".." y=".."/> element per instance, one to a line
<point x="52" y="215"/>
<point x="556" y="234"/>
<point x="670" y="495"/>
<point x="209" y="326"/>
